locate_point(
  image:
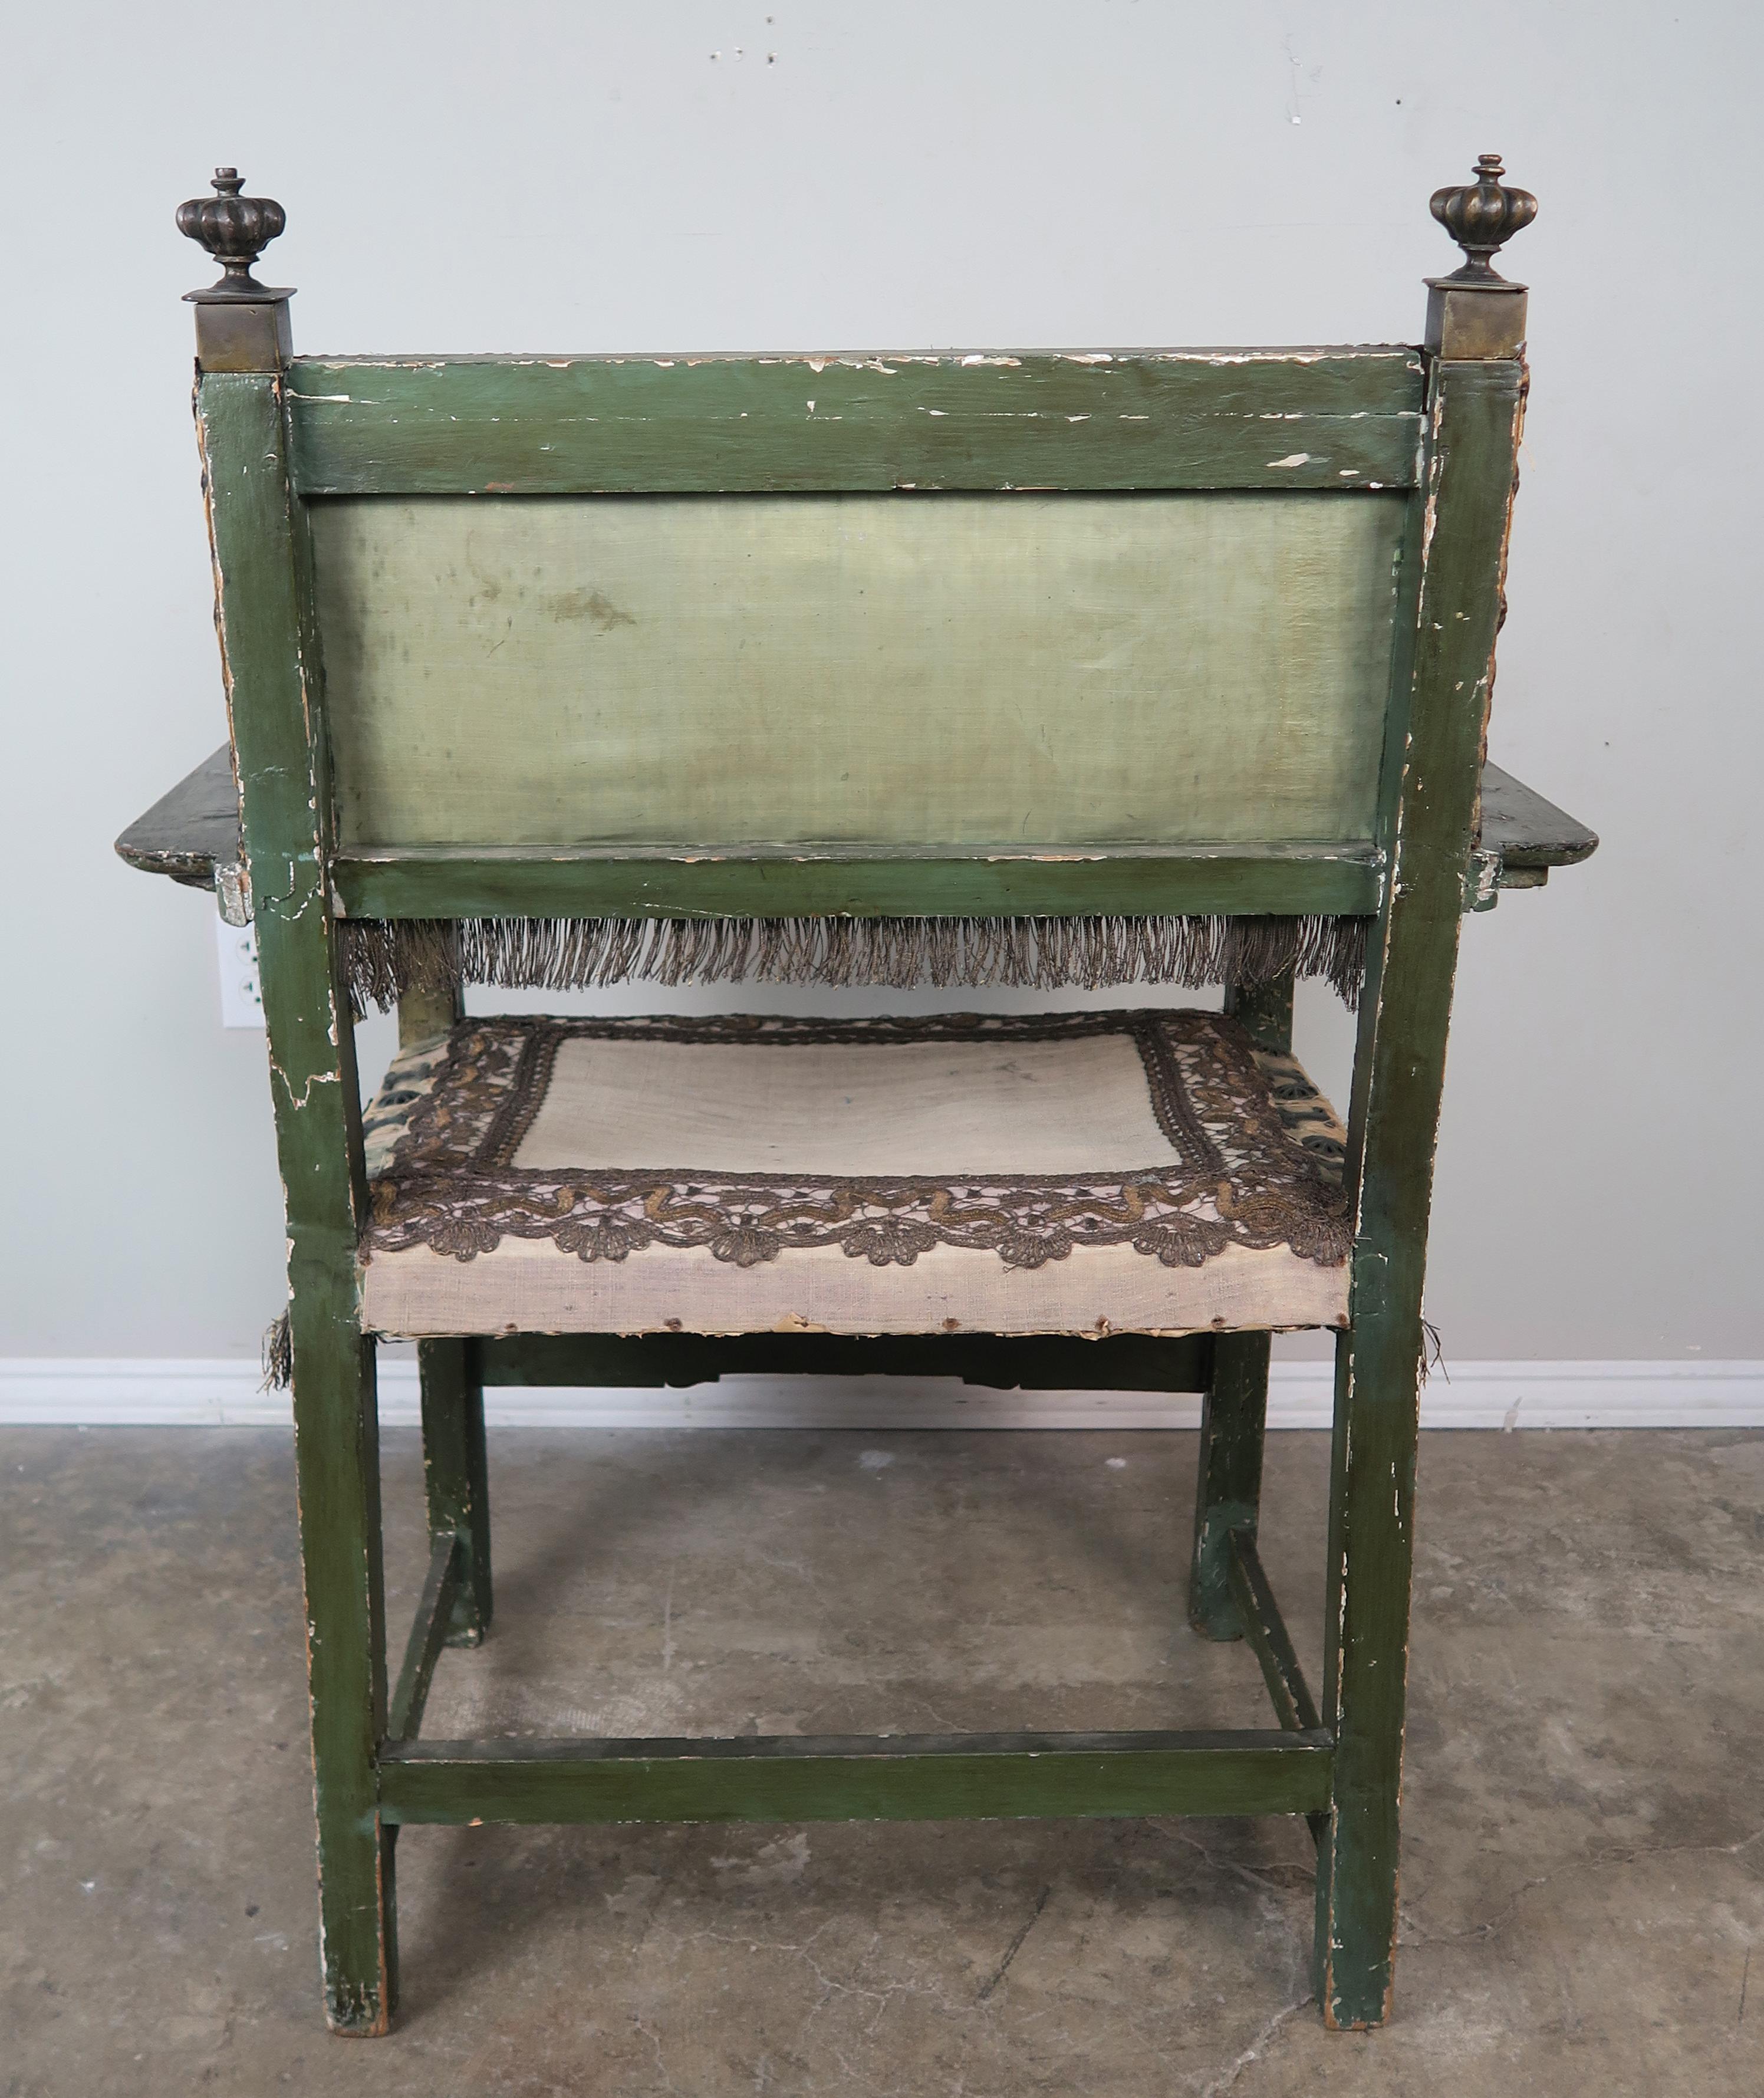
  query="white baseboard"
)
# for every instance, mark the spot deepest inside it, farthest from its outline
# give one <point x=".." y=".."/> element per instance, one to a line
<point x="120" y="1392"/>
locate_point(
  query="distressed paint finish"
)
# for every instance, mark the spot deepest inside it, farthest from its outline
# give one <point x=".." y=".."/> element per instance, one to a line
<point x="1526" y="835"/>
<point x="1439" y="719"/>
<point x="428" y="1639"/>
<point x="1234" y="1417"/>
<point x="455" y="1465"/>
<point x="798" y="1777"/>
<point x="425" y="1015"/>
<point x="189" y="831"/>
<point x="196" y="824"/>
<point x="1265" y="1011"/>
<point x="273" y="702"/>
<point x="1228" y="1480"/>
<point x="456" y="1471"/>
<point x="440" y="882"/>
<point x="1347" y="421"/>
<point x="1265" y="1630"/>
<point x="1323" y="419"/>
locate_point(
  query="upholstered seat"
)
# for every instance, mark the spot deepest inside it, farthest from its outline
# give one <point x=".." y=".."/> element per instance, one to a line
<point x="1102" y="1172"/>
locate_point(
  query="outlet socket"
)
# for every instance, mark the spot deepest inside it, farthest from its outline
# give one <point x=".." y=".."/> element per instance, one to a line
<point x="241" y="992"/>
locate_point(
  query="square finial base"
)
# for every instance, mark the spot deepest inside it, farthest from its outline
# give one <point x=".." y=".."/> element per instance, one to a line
<point x="243" y="334"/>
<point x="1471" y="323"/>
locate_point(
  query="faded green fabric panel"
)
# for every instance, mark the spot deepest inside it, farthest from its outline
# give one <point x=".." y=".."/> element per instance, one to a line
<point x="949" y="670"/>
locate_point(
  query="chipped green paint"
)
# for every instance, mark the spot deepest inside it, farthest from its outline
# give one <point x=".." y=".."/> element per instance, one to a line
<point x="888" y="1778"/>
<point x="1439" y="719"/>
<point x="1228" y="1477"/>
<point x="530" y="882"/>
<point x="273" y="702"/>
<point x="457" y="1473"/>
<point x="1319" y="418"/>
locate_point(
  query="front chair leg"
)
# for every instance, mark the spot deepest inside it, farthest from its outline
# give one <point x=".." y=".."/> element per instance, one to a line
<point x="337" y="1463"/>
<point x="455" y="1467"/>
<point x="1228" y="1492"/>
<point x="1371" y="1512"/>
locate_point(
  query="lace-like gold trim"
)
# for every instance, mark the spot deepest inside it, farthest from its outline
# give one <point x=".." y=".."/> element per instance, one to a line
<point x="1241" y="1176"/>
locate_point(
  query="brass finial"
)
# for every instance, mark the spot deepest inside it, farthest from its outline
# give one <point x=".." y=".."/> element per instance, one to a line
<point x="1482" y="217"/>
<point x="235" y="229"/>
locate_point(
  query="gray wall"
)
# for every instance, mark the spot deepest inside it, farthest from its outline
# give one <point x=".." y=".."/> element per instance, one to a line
<point x="586" y="177"/>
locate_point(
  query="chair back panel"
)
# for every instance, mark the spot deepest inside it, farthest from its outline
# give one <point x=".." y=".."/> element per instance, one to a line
<point x="895" y="670"/>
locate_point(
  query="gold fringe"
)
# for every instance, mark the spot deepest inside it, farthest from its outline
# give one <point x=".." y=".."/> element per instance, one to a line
<point x="385" y="959"/>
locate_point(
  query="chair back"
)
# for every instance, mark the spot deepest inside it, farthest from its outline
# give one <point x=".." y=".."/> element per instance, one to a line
<point x="1037" y="636"/>
<point x="913" y="604"/>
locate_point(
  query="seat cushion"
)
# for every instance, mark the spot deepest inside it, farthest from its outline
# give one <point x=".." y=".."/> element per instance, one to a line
<point x="1146" y="1171"/>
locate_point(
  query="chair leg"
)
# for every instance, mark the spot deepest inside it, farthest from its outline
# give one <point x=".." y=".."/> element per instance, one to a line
<point x="337" y="1463"/>
<point x="455" y="1465"/>
<point x="1372" y="1510"/>
<point x="1228" y="1491"/>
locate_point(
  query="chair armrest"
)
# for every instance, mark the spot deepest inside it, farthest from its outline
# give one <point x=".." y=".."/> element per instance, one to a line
<point x="187" y="831"/>
<point x="1527" y="835"/>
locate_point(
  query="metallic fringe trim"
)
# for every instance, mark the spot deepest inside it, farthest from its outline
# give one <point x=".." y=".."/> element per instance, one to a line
<point x="384" y="960"/>
<point x="278" y="1355"/>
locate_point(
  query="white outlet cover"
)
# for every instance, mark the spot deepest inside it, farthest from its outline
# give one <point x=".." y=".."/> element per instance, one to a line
<point x="241" y="992"/>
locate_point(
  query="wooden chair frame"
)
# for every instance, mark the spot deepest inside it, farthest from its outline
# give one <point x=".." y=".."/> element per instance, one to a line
<point x="1439" y="423"/>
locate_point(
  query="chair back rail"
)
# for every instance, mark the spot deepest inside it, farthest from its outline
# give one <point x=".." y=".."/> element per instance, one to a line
<point x="568" y="608"/>
<point x="979" y="420"/>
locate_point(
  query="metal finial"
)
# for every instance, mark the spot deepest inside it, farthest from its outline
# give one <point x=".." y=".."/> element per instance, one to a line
<point x="1482" y="217"/>
<point x="235" y="229"/>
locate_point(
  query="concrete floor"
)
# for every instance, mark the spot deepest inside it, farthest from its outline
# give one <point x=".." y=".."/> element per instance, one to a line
<point x="1584" y="1819"/>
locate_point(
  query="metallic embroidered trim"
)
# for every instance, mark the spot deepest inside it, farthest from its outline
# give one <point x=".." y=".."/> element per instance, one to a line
<point x="1241" y="1176"/>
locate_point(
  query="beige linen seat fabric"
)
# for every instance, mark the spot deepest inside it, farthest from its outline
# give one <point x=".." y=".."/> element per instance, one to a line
<point x="1145" y="1171"/>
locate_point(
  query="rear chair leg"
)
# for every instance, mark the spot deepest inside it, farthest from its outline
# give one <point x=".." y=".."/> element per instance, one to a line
<point x="1371" y="1509"/>
<point x="336" y="1450"/>
<point x="455" y="1465"/>
<point x="1235" y="1412"/>
<point x="1228" y="1492"/>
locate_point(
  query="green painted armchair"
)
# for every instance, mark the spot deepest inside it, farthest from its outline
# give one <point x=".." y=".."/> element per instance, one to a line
<point x="1031" y="668"/>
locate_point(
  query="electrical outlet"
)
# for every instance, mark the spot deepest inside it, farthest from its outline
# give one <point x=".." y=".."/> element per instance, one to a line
<point x="241" y="992"/>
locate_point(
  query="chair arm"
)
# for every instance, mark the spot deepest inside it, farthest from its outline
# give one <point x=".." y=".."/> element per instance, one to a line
<point x="188" y="832"/>
<point x="1526" y="835"/>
